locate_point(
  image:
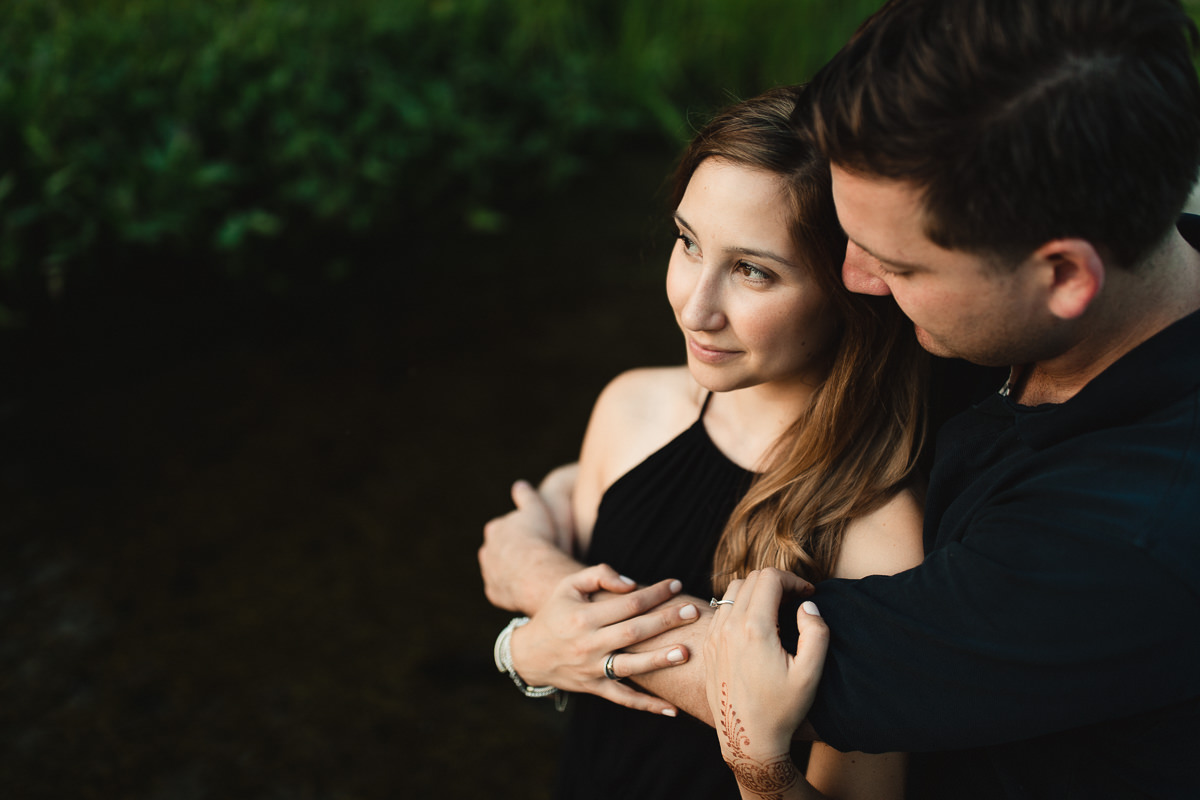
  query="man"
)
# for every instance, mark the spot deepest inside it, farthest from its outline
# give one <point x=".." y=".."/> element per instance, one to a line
<point x="1012" y="172"/>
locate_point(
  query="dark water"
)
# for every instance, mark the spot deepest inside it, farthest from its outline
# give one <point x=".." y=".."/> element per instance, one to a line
<point x="237" y="541"/>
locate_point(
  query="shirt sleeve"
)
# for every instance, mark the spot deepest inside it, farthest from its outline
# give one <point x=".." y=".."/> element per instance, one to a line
<point x="1031" y="624"/>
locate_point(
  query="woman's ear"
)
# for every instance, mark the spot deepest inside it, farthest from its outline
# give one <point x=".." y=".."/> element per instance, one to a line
<point x="1076" y="275"/>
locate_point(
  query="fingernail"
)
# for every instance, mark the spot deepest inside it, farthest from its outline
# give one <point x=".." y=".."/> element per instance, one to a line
<point x="810" y="608"/>
<point x="669" y="712"/>
<point x="675" y="656"/>
<point x="629" y="581"/>
<point x="688" y="612"/>
<point x="676" y="586"/>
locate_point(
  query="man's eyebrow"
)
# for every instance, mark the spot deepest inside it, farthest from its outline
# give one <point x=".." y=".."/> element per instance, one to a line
<point x="889" y="261"/>
<point x="746" y="251"/>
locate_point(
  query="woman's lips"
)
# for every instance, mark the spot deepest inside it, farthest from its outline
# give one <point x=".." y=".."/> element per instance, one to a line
<point x="709" y="354"/>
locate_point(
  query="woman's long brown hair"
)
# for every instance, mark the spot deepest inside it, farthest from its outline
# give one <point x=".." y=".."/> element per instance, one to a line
<point x="856" y="443"/>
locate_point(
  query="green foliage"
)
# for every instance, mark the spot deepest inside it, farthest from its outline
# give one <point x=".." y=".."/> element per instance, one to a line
<point x="246" y="135"/>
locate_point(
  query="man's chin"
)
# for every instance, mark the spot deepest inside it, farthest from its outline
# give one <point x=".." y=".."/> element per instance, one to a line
<point x="932" y="345"/>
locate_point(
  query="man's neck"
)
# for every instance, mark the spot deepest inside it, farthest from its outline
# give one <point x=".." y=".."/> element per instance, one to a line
<point x="1134" y="306"/>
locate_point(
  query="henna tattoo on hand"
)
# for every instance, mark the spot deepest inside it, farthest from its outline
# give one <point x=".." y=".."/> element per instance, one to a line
<point x="768" y="779"/>
<point x="731" y="726"/>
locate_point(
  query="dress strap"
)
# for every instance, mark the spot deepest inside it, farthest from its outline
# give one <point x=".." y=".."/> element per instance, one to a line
<point x="704" y="405"/>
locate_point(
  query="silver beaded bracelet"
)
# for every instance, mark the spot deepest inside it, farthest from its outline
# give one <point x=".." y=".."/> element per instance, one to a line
<point x="503" y="654"/>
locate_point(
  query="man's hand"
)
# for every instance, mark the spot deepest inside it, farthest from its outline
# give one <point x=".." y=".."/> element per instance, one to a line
<point x="556" y="490"/>
<point x="520" y="559"/>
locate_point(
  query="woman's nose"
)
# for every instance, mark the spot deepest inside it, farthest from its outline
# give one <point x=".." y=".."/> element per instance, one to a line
<point x="702" y="311"/>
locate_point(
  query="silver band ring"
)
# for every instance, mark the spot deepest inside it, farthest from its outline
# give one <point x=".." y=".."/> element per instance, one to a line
<point x="608" y="667"/>
<point x="715" y="602"/>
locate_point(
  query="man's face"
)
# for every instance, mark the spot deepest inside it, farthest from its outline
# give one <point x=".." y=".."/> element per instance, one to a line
<point x="960" y="306"/>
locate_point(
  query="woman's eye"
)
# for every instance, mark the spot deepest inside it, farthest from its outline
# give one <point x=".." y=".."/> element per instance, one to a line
<point x="688" y="244"/>
<point x="752" y="272"/>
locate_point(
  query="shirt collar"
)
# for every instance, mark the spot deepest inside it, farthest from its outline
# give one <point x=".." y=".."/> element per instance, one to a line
<point x="1153" y="375"/>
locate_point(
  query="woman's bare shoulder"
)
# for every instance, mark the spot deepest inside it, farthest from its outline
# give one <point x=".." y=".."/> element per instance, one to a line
<point x="651" y="396"/>
<point x="885" y="541"/>
<point x="637" y="413"/>
<point x="640" y="411"/>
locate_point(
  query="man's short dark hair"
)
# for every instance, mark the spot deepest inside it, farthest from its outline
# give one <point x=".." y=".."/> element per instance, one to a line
<point x="1023" y="121"/>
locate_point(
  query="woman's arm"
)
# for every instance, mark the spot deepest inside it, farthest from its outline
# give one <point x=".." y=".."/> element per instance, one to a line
<point x="575" y="628"/>
<point x="569" y="641"/>
<point x="759" y="694"/>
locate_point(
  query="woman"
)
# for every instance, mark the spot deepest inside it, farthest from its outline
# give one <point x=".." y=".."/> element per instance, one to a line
<point x="759" y="695"/>
<point x="789" y="439"/>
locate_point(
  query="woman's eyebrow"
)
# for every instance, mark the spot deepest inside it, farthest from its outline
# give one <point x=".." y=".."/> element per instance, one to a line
<point x="765" y="254"/>
<point x="745" y="251"/>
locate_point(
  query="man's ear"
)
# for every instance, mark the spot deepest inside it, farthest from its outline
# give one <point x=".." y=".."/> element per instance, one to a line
<point x="1076" y="275"/>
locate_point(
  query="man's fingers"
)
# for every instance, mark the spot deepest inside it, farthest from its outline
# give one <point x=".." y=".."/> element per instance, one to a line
<point x="556" y="490"/>
<point x="560" y="479"/>
<point x="523" y="495"/>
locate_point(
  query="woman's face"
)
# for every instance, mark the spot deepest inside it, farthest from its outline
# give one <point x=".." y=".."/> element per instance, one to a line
<point x="749" y="307"/>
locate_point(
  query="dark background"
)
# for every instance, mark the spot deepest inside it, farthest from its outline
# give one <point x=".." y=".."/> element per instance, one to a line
<point x="239" y="538"/>
<point x="290" y="292"/>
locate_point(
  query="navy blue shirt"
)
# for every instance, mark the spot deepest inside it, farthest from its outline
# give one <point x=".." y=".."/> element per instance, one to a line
<point x="1049" y="645"/>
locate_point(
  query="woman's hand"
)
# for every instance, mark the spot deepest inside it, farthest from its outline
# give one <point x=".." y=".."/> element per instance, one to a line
<point x="569" y="641"/>
<point x="758" y="692"/>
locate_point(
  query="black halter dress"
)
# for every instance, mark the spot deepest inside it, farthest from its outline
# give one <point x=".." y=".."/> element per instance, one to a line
<point x="662" y="519"/>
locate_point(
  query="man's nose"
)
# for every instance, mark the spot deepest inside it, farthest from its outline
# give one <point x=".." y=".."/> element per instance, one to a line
<point x="860" y="272"/>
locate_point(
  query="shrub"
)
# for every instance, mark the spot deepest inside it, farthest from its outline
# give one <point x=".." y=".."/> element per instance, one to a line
<point x="237" y="135"/>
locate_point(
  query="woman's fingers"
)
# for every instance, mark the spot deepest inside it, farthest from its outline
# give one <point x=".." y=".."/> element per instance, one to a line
<point x="788" y="582"/>
<point x="811" y="644"/>
<point x="614" y="623"/>
<point x="651" y="624"/>
<point x="626" y="665"/>
<point x="623" y="695"/>
<point x="594" y="579"/>
<point x="726" y="605"/>
<point x="616" y="609"/>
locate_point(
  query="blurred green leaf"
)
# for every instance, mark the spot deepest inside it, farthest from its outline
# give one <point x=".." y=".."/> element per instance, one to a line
<point x="7" y="183"/>
<point x="151" y="129"/>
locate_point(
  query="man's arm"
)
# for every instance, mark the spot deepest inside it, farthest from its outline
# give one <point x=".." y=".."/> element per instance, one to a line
<point x="684" y="685"/>
<point x="520" y="560"/>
